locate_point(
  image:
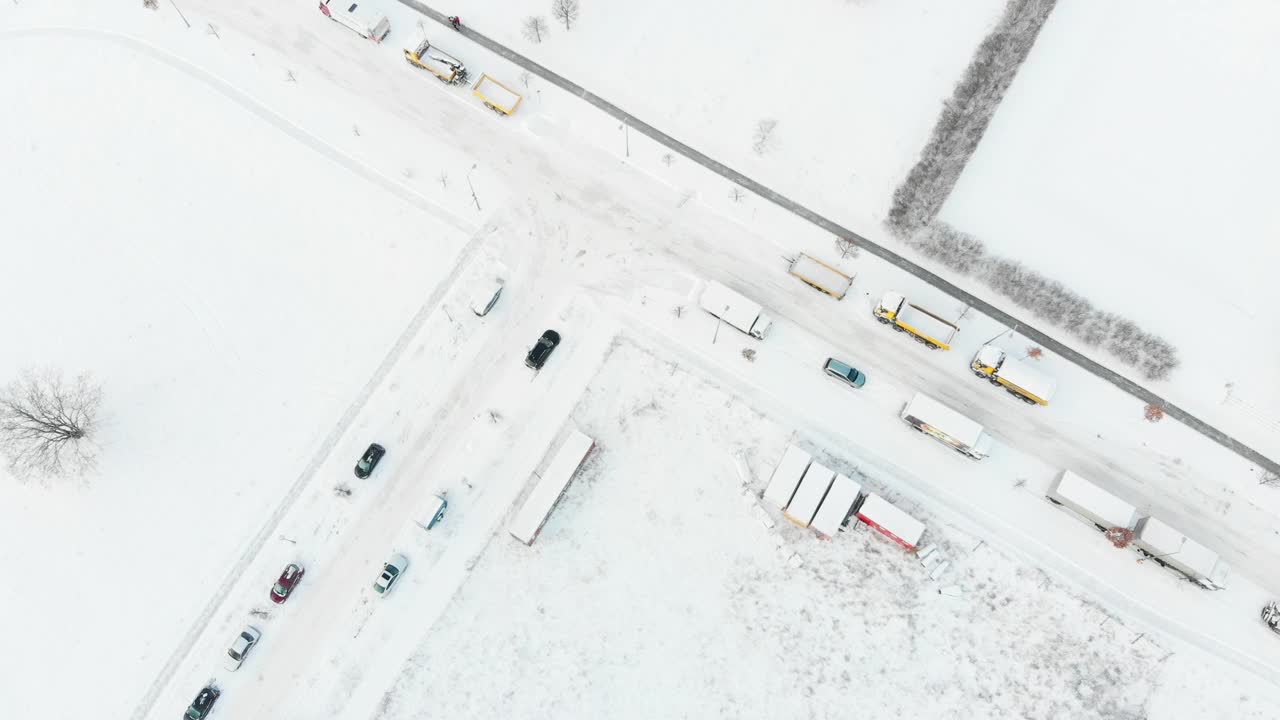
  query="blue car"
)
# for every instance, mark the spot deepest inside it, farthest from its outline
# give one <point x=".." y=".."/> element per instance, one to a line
<point x="845" y="373"/>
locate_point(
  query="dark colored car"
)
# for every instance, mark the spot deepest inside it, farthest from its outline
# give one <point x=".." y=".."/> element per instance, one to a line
<point x="289" y="579"/>
<point x="539" y="353"/>
<point x="203" y="703"/>
<point x="845" y="372"/>
<point x="369" y="460"/>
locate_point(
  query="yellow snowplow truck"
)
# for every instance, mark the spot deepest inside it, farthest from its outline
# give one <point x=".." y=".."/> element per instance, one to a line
<point x="438" y="62"/>
<point x="929" y="329"/>
<point x="1020" y="379"/>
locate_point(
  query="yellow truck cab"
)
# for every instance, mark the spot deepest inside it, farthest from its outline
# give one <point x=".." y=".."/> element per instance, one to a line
<point x="1018" y="378"/>
<point x="437" y="62"/>
<point x="927" y="328"/>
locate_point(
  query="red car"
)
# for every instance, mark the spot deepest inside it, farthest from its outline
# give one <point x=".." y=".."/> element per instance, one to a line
<point x="287" y="582"/>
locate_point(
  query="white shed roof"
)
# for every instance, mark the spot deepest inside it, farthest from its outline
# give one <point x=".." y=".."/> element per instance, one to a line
<point x="835" y="508"/>
<point x="888" y="519"/>
<point x="817" y="479"/>
<point x="787" y="476"/>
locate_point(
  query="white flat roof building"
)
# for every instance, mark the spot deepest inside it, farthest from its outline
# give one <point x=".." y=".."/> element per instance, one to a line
<point x="786" y="477"/>
<point x="889" y="520"/>
<point x="836" y="506"/>
<point x="817" y="479"/>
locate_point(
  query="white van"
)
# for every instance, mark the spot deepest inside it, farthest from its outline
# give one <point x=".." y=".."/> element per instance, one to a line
<point x="365" y="19"/>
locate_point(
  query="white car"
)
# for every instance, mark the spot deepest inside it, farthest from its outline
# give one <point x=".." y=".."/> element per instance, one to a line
<point x="391" y="572"/>
<point x="239" y="649"/>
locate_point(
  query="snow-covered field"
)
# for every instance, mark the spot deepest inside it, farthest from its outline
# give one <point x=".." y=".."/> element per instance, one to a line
<point x="264" y="242"/>
<point x="654" y="591"/>
<point x="167" y="241"/>
<point x="1131" y="160"/>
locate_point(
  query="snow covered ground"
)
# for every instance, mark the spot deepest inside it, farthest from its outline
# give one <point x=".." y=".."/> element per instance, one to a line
<point x="1131" y="160"/>
<point x="329" y="308"/>
<point x="654" y="591"/>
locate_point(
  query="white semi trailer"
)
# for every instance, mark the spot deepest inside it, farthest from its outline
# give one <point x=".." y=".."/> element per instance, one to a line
<point x="735" y="309"/>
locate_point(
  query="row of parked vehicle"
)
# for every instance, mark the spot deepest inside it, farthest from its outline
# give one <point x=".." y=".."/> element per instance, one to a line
<point x="370" y="23"/>
<point x="394" y="567"/>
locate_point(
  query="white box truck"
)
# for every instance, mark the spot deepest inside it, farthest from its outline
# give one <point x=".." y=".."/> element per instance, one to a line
<point x="1170" y="548"/>
<point x="813" y="488"/>
<point x="365" y="19"/>
<point x="1091" y="502"/>
<point x="1018" y="378"/>
<point x="821" y="276"/>
<point x="841" y="500"/>
<point x="735" y="309"/>
<point x="891" y="521"/>
<point x="947" y="426"/>
<point x="786" y="477"/>
<point x="926" y="327"/>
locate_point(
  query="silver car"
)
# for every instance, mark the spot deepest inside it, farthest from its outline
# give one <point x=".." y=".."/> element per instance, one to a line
<point x="241" y="646"/>
<point x="845" y="373"/>
<point x="391" y="572"/>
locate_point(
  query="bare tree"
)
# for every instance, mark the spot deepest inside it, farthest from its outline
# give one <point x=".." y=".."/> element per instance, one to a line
<point x="565" y="11"/>
<point x="1153" y="413"/>
<point x="1119" y="536"/>
<point x="151" y="4"/>
<point x="47" y="424"/>
<point x="534" y="29"/>
<point x="848" y="248"/>
<point x="1035" y="353"/>
<point x="1270" y="478"/>
<point x="764" y="131"/>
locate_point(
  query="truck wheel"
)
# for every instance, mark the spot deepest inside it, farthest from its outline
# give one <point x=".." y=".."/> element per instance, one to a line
<point x="882" y="321"/>
<point x="1028" y="400"/>
<point x="898" y="328"/>
<point x="993" y="381"/>
<point x="930" y="345"/>
<point x="919" y="339"/>
<point x="979" y="373"/>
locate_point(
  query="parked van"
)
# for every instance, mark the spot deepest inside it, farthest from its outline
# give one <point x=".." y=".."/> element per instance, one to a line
<point x="436" y="508"/>
<point x="365" y="19"/>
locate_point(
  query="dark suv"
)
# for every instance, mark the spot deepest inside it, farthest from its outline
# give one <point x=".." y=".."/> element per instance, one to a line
<point x="203" y="703"/>
<point x="369" y="460"/>
<point x="539" y="353"/>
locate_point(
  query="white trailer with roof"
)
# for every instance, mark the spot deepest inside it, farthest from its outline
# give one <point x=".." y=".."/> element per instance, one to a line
<point x="891" y="521"/>
<point x="786" y="476"/>
<point x="841" y="500"/>
<point x="1091" y="502"/>
<point x="528" y="522"/>
<point x="947" y="426"/>
<point x="1176" y="551"/>
<point x="813" y="488"/>
<point x="735" y="309"/>
<point x="821" y="276"/>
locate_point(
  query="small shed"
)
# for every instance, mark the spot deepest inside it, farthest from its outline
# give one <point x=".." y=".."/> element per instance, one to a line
<point x="786" y="476"/>
<point x="841" y="500"/>
<point x="813" y="488"/>
<point x="890" y="521"/>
